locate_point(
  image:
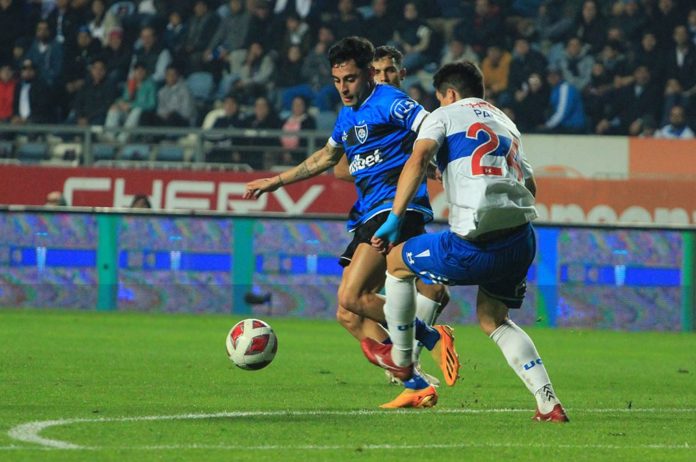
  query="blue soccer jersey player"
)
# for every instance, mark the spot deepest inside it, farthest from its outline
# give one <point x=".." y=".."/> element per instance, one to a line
<point x="375" y="130"/>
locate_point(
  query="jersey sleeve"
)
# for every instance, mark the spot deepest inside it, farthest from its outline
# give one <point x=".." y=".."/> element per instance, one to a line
<point x="433" y="128"/>
<point x="336" y="138"/>
<point x="406" y="113"/>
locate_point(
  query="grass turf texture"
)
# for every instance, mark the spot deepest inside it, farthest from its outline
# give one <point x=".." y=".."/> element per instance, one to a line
<point x="630" y="396"/>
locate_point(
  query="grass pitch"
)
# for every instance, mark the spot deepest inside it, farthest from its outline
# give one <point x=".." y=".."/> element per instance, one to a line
<point x="123" y="386"/>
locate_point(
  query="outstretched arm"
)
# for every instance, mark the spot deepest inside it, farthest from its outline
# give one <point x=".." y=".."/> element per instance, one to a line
<point x="319" y="162"/>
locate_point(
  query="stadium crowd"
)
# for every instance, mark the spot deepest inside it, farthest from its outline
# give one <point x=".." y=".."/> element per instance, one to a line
<point x="622" y="67"/>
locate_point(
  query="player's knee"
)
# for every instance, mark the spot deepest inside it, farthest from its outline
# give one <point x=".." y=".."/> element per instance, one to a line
<point x="347" y="319"/>
<point x="349" y="300"/>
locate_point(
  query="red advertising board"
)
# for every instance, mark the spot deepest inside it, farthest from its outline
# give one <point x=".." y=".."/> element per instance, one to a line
<point x="171" y="189"/>
<point x="571" y="200"/>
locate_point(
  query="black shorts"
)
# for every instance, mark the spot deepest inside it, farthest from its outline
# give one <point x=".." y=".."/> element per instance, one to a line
<point x="413" y="225"/>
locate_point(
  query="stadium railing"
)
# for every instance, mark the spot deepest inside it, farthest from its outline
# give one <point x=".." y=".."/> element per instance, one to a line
<point x="97" y="145"/>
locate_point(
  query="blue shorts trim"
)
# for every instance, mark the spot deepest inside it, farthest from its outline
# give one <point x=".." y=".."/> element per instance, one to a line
<point x="498" y="267"/>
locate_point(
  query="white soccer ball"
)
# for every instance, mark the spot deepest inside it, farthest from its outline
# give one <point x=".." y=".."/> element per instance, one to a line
<point x="251" y="344"/>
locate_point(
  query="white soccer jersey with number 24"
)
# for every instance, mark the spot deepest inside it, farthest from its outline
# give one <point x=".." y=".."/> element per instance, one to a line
<point x="483" y="167"/>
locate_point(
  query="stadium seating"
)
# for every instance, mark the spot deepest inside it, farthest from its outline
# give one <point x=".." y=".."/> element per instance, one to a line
<point x="32" y="152"/>
<point x="103" y="151"/>
<point x="168" y="152"/>
<point x="135" y="152"/>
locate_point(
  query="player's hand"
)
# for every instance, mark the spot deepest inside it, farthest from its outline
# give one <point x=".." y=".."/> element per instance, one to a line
<point x="387" y="234"/>
<point x="257" y="187"/>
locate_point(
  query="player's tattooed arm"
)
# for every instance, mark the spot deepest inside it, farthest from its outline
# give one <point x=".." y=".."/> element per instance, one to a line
<point x="319" y="162"/>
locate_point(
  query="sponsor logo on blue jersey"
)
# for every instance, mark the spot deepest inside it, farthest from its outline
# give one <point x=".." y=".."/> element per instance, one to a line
<point x="401" y="107"/>
<point x="361" y="161"/>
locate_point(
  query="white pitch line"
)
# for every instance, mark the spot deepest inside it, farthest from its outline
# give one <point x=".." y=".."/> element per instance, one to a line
<point x="30" y="432"/>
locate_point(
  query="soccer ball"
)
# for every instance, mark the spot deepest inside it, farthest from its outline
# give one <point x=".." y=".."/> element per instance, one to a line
<point x="251" y="344"/>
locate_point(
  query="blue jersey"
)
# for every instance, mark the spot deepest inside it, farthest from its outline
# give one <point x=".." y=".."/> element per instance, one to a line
<point x="377" y="138"/>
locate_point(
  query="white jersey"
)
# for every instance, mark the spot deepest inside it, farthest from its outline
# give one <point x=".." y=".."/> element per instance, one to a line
<point x="483" y="167"/>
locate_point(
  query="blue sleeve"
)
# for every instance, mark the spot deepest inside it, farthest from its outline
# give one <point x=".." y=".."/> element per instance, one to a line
<point x="406" y="113"/>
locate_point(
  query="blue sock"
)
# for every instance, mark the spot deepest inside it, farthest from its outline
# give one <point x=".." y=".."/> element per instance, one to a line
<point x="426" y="334"/>
<point x="416" y="382"/>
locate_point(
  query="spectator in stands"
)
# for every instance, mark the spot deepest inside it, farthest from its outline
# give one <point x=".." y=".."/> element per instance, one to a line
<point x="64" y="22"/>
<point x="628" y="15"/>
<point x="55" y="199"/>
<point x="8" y="86"/>
<point x="289" y="75"/>
<point x="691" y="25"/>
<point x="117" y="57"/>
<point x="12" y="26"/>
<point x="225" y="149"/>
<point x="201" y="28"/>
<point x="141" y="201"/>
<point x="32" y="103"/>
<point x="347" y="21"/>
<point x="297" y="33"/>
<point x="529" y="103"/>
<point x="94" y="99"/>
<point x="97" y="21"/>
<point x="251" y="72"/>
<point x="677" y="127"/>
<point x="630" y="105"/>
<point x="590" y="26"/>
<point x="263" y="118"/>
<point x="576" y="64"/>
<point x="496" y="67"/>
<point x="47" y="55"/>
<point x="525" y="62"/>
<point x="262" y="24"/>
<point x="553" y="22"/>
<point x="614" y="62"/>
<point x="597" y="94"/>
<point x="379" y="26"/>
<point x="151" y="54"/>
<point x="482" y="28"/>
<point x="175" y="35"/>
<point x="298" y="120"/>
<point x="77" y="60"/>
<point x="681" y="72"/>
<point x="415" y="38"/>
<point x="316" y="74"/>
<point x="231" y="34"/>
<point x="457" y="51"/>
<point x="175" y="105"/>
<point x="649" y="55"/>
<point x="139" y="96"/>
<point x="667" y="17"/>
<point x="567" y="113"/>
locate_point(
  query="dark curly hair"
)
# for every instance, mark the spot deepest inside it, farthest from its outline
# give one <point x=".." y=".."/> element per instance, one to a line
<point x="358" y="49"/>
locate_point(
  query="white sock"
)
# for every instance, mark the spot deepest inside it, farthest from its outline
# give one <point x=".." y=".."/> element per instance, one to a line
<point x="400" y="313"/>
<point x="522" y="356"/>
<point x="427" y="311"/>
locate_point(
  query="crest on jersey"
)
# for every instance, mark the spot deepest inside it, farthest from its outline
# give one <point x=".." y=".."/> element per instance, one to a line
<point x="361" y="133"/>
<point x="401" y="107"/>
